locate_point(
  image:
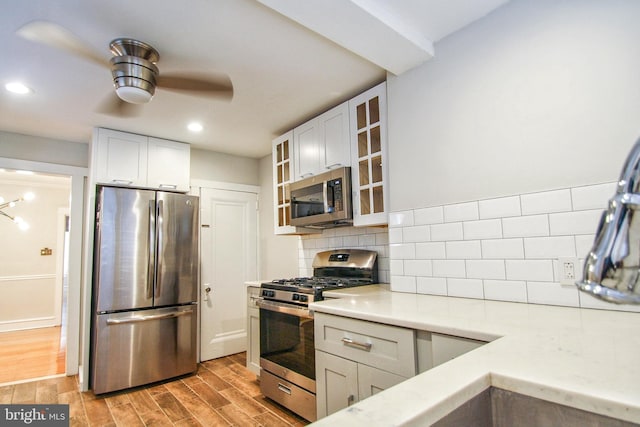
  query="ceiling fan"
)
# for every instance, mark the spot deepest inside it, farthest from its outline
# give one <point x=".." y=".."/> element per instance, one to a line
<point x="133" y="67"/>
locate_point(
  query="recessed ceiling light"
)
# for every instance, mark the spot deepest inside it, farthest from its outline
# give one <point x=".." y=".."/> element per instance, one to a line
<point x="19" y="88"/>
<point x="194" y="127"/>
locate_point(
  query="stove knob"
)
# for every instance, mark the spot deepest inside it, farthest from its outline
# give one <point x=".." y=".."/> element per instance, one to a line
<point x="297" y="297"/>
<point x="303" y="298"/>
<point x="272" y="294"/>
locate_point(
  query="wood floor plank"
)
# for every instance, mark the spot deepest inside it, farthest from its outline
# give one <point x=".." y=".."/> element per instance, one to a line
<point x="209" y="395"/>
<point x="237" y="416"/>
<point x="243" y="402"/>
<point x="98" y="412"/>
<point x="38" y="352"/>
<point x="171" y="406"/>
<point x="205" y="415"/>
<point x="126" y="415"/>
<point x="24" y="393"/>
<point x="205" y="399"/>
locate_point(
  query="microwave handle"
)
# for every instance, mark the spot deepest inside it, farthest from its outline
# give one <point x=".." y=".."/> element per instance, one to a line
<point x="325" y="194"/>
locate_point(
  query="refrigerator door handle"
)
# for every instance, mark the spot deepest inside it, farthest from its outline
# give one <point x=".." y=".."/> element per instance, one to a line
<point x="148" y="318"/>
<point x="152" y="248"/>
<point x="159" y="245"/>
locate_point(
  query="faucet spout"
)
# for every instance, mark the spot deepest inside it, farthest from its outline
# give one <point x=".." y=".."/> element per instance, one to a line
<point x="612" y="267"/>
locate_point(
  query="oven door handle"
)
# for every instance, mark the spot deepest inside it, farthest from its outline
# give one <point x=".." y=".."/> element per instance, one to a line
<point x="280" y="307"/>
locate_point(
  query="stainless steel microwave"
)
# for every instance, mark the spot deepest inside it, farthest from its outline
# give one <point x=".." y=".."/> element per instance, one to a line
<point x="322" y="200"/>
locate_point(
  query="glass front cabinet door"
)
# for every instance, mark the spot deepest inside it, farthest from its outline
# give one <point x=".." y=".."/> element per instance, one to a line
<point x="368" y="130"/>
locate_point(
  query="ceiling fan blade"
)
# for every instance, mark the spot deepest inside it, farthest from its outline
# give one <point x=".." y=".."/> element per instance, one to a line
<point x="211" y="85"/>
<point x="56" y="36"/>
<point x="114" y="106"/>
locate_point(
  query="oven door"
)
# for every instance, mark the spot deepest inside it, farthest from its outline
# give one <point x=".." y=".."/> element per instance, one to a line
<point x="286" y="343"/>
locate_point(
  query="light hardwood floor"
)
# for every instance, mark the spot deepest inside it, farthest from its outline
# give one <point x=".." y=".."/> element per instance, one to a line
<point x="222" y="393"/>
<point x="32" y="353"/>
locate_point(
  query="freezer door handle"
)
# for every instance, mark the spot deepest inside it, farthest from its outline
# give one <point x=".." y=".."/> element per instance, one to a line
<point x="159" y="246"/>
<point x="148" y="318"/>
<point x="152" y="247"/>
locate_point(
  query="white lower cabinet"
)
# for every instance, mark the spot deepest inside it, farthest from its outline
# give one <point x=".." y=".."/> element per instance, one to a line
<point x="434" y="349"/>
<point x="356" y="359"/>
<point x="253" y="330"/>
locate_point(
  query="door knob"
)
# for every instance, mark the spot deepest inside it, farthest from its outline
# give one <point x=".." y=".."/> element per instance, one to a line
<point x="207" y="289"/>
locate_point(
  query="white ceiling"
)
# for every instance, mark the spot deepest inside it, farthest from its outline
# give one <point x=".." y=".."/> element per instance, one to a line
<point x="283" y="73"/>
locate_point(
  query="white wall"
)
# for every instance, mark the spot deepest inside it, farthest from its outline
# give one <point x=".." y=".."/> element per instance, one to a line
<point x="28" y="279"/>
<point x="213" y="166"/>
<point x="47" y="150"/>
<point x="504" y="149"/>
<point x="535" y="96"/>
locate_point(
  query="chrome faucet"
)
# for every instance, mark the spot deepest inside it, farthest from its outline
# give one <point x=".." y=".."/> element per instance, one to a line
<point x="612" y="268"/>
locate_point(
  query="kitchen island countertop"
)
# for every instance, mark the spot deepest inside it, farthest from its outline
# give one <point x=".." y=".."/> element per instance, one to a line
<point x="582" y="358"/>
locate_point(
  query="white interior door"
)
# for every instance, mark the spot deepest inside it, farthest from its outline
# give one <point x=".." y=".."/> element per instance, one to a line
<point x="229" y="245"/>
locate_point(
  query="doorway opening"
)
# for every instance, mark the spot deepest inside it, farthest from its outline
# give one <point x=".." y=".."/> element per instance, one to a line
<point x="34" y="276"/>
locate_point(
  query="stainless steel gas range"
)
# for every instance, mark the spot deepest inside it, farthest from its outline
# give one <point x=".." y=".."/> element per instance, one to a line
<point x="287" y="354"/>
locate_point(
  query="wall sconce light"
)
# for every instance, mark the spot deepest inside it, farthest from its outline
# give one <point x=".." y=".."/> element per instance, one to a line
<point x="22" y="224"/>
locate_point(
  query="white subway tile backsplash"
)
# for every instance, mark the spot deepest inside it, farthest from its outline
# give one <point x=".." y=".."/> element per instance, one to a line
<point x="396" y="267"/>
<point x="549" y="247"/>
<point x="417" y="267"/>
<point x="592" y="196"/>
<point x="483" y="229"/>
<point x="485" y="269"/>
<point x="446" y="232"/>
<point x="350" y="241"/>
<point x="503" y="249"/>
<point x="584" y="243"/>
<point x="546" y="202"/>
<point x="526" y="226"/>
<point x="465" y="288"/>
<point x="431" y="285"/>
<point x="581" y="222"/>
<point x="403" y="284"/>
<point x="448" y="268"/>
<point x="429" y="216"/>
<point x="463" y="249"/>
<point x="367" y="240"/>
<point x="402" y="251"/>
<point x="431" y="250"/>
<point x="505" y="290"/>
<point x="537" y="270"/>
<point x="395" y="235"/>
<point x="401" y="219"/>
<point x="418" y="233"/>
<point x="552" y="294"/>
<point x="461" y="212"/>
<point x="500" y="208"/>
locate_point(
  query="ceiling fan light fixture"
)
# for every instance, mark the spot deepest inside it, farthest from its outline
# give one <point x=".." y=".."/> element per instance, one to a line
<point x="133" y="95"/>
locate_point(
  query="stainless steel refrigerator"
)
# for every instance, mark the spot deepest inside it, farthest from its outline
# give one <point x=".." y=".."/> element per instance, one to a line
<point x="144" y="287"/>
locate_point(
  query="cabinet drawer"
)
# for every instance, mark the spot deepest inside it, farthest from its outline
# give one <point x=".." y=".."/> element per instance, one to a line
<point x="386" y="347"/>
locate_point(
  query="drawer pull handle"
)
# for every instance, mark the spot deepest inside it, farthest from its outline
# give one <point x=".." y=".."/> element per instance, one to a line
<point x="361" y="346"/>
<point x="283" y="388"/>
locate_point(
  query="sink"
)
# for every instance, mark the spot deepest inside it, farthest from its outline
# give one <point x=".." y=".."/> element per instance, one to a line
<point x="496" y="407"/>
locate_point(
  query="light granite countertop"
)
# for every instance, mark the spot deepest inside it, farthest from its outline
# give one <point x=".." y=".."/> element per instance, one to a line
<point x="582" y="358"/>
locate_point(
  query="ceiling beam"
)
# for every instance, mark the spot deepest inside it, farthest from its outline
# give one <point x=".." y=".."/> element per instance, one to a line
<point x="362" y="26"/>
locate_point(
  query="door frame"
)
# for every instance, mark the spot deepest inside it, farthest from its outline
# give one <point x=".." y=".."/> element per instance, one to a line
<point x="76" y="283"/>
<point x="196" y="186"/>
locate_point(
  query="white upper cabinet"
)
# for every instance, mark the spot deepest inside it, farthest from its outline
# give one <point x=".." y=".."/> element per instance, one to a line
<point x="322" y="143"/>
<point x="369" y="172"/>
<point x="168" y="167"/>
<point x="126" y="159"/>
<point x="306" y="150"/>
<point x="120" y="158"/>
<point x="333" y="129"/>
<point x="283" y="172"/>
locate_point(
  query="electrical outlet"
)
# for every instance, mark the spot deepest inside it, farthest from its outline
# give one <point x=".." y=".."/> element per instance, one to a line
<point x="568" y="271"/>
